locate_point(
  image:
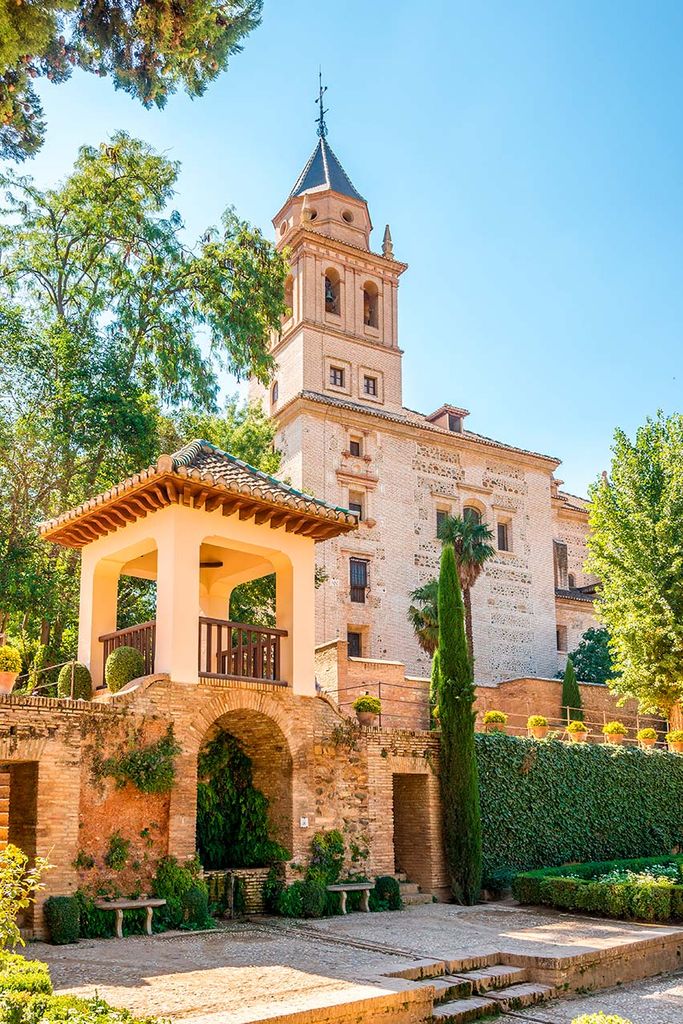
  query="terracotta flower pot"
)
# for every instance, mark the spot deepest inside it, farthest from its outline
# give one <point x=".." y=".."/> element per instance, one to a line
<point x="494" y="727"/>
<point x="367" y="718"/>
<point x="578" y="737"/>
<point x="7" y="680"/>
<point x="676" y="746"/>
<point x="539" y="732"/>
<point x="616" y="738"/>
<point x="648" y="741"/>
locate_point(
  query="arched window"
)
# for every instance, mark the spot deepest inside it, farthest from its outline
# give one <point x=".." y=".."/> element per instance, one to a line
<point x="370" y="304"/>
<point x="332" y="292"/>
<point x="289" y="298"/>
<point x="274" y="393"/>
<point x="472" y="514"/>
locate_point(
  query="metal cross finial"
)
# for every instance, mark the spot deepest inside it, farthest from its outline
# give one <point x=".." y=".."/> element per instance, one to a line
<point x="320" y="120"/>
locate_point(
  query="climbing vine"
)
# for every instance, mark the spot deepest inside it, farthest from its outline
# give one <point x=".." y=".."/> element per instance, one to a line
<point x="150" y="768"/>
<point x="232" y="815"/>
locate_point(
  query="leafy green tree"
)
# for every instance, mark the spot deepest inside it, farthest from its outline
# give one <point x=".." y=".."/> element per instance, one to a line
<point x="148" y="47"/>
<point x="458" y="762"/>
<point x="592" y="659"/>
<point x="111" y="323"/>
<point x="19" y="884"/>
<point x="571" y="695"/>
<point x="636" y="550"/>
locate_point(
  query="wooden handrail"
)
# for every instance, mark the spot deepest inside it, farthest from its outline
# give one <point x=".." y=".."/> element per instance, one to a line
<point x="127" y="630"/>
<point x="239" y="651"/>
<point x="244" y="625"/>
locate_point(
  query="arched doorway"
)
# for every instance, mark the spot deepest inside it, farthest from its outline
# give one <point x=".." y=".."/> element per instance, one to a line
<point x="244" y="796"/>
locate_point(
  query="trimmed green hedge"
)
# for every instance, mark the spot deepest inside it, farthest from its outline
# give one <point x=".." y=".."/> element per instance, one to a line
<point x="20" y="975"/>
<point x="547" y="802"/>
<point x="636" y="900"/>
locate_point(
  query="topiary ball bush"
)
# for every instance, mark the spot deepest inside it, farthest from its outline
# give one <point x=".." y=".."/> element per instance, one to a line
<point x="10" y="659"/>
<point x="196" y="906"/>
<point x="62" y="914"/>
<point x="123" y="664"/>
<point x="82" y="680"/>
<point x="313" y="897"/>
<point x="386" y="895"/>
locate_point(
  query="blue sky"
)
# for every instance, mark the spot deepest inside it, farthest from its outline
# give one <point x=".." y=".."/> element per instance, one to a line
<point x="529" y="159"/>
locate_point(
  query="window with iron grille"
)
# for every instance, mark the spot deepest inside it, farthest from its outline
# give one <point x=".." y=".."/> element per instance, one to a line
<point x="337" y="376"/>
<point x="356" y="503"/>
<point x="370" y="386"/>
<point x="358" y="579"/>
<point x="354" y="644"/>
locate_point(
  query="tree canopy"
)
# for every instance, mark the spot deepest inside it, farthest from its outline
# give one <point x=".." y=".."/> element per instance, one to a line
<point x="636" y="550"/>
<point x="115" y="330"/>
<point x="148" y="47"/>
<point x="592" y="658"/>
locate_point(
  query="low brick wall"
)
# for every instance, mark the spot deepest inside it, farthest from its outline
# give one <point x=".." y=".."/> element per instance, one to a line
<point x="253" y="881"/>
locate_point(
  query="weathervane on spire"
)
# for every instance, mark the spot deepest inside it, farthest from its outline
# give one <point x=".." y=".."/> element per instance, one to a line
<point x="320" y="120"/>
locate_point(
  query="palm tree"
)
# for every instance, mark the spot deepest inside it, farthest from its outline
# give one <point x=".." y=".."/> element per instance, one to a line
<point x="471" y="540"/>
<point x="424" y="616"/>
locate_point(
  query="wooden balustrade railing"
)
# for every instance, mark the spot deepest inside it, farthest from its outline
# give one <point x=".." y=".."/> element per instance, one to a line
<point x="142" y="638"/>
<point x="236" y="650"/>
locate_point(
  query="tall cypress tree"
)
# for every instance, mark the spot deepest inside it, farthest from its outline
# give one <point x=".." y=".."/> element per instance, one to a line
<point x="571" y="695"/>
<point x="459" y="777"/>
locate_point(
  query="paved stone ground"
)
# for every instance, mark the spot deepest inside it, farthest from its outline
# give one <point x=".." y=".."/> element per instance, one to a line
<point x="249" y="972"/>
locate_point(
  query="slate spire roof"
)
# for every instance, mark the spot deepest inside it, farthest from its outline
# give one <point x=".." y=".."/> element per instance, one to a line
<point x="323" y="171"/>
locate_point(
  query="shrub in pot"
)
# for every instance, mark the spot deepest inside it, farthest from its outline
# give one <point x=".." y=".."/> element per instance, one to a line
<point x="614" y="732"/>
<point x="675" y="741"/>
<point x="10" y="667"/>
<point x="537" y="726"/>
<point x="82" y="681"/>
<point x="647" y="737"/>
<point x="495" y="721"/>
<point x="578" y="731"/>
<point x="367" y="709"/>
<point x="123" y="664"/>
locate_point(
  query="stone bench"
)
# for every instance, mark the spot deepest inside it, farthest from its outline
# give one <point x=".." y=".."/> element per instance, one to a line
<point x="118" y="906"/>
<point x="345" y="887"/>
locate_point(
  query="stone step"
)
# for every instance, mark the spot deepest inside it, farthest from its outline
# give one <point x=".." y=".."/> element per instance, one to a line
<point x="516" y="997"/>
<point x="497" y="976"/>
<point x="460" y="1011"/>
<point x="400" y="876"/>
<point x="412" y="899"/>
<point x="407" y="887"/>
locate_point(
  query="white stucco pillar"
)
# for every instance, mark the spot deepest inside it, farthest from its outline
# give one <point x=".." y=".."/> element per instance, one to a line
<point x="178" y="605"/>
<point x="97" y="612"/>
<point x="295" y="612"/>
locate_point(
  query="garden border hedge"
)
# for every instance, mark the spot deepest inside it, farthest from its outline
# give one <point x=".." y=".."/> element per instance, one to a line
<point x="638" y="901"/>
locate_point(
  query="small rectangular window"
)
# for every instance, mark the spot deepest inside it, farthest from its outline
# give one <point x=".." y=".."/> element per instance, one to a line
<point x="441" y="518"/>
<point x="358" y="579"/>
<point x="370" y="386"/>
<point x="337" y="376"/>
<point x="355" y="447"/>
<point x="561" y="638"/>
<point x="454" y="423"/>
<point x="356" y="503"/>
<point x="503" y="537"/>
<point x="354" y="644"/>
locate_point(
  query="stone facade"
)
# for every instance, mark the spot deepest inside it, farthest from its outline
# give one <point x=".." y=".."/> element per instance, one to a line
<point x="346" y="437"/>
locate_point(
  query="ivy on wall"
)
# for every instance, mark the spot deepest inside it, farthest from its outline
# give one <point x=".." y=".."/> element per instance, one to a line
<point x="150" y="768"/>
<point x="546" y="803"/>
<point x="232" y="815"/>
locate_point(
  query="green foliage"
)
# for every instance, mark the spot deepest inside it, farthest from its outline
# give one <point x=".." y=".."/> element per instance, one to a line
<point x="150" y="768"/>
<point x="675" y="736"/>
<point x="614" y="729"/>
<point x="577" y="725"/>
<point x="123" y="665"/>
<point x="18" y="887"/>
<point x="552" y="802"/>
<point x="592" y="659"/>
<point x="327" y="855"/>
<point x="118" y="850"/>
<point x="62" y="914"/>
<point x="367" y="703"/>
<point x="147" y="48"/>
<point x="272" y="889"/>
<point x="571" y="694"/>
<point x="600" y="1018"/>
<point x="95" y="923"/>
<point x="647" y="733"/>
<point x="386" y="895"/>
<point x="536" y="722"/>
<point x="423" y="614"/>
<point x="493" y="717"/>
<point x="290" y="900"/>
<point x="232" y="815"/>
<point x="636" y="550"/>
<point x="313" y="896"/>
<point x="78" y="676"/>
<point x="90" y="360"/>
<point x="458" y="775"/>
<point x="10" y="659"/>
<point x="643" y="889"/>
<point x="20" y="975"/>
<point x="178" y="884"/>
